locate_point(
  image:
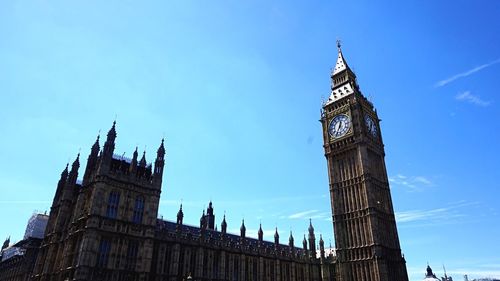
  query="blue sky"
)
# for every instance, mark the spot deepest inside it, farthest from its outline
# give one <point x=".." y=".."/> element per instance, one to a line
<point x="236" y="87"/>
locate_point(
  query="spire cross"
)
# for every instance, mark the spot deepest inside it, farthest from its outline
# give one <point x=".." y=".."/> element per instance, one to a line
<point x="339" y="44"/>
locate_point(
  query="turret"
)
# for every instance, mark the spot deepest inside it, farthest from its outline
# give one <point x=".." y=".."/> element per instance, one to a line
<point x="143" y="162"/>
<point x="304" y="244"/>
<point x="203" y="223"/>
<point x="109" y="145"/>
<point x="243" y="229"/>
<point x="159" y="163"/>
<point x="6" y="243"/>
<point x="312" y="240"/>
<point x="60" y="185"/>
<point x="430" y="274"/>
<point x="276" y="238"/>
<point x="210" y="218"/>
<point x="133" y="164"/>
<point x="91" y="161"/>
<point x="180" y="216"/>
<point x="223" y="225"/>
<point x="321" y="247"/>
<point x="73" y="174"/>
<point x="261" y="233"/>
<point x="291" y="241"/>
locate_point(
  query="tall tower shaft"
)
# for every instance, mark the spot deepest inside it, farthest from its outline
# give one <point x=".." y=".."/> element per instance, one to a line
<point x="366" y="238"/>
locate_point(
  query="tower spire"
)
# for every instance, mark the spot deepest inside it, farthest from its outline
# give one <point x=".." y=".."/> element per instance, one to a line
<point x="276" y="237"/>
<point x="180" y="215"/>
<point x="109" y="145"/>
<point x="159" y="163"/>
<point x="312" y="240"/>
<point x="142" y="163"/>
<point x="91" y="160"/>
<point x="321" y="246"/>
<point x="343" y="81"/>
<point x="133" y="163"/>
<point x="243" y="229"/>
<point x="73" y="174"/>
<point x="223" y="226"/>
<point x="261" y="233"/>
<point x="341" y="63"/>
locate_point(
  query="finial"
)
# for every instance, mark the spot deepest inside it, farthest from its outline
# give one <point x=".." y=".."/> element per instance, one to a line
<point x="339" y="45"/>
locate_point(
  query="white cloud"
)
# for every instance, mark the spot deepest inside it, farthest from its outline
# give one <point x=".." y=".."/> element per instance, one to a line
<point x="465" y="74"/>
<point x="452" y="211"/>
<point x="302" y="215"/>
<point x="413" y="183"/>
<point x="470" y="98"/>
<point x="310" y="214"/>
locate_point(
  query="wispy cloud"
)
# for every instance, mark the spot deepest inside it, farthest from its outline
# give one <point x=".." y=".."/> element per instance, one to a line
<point x="470" y="98"/>
<point x="302" y="215"/>
<point x="465" y="74"/>
<point x="413" y="183"/>
<point x="309" y="214"/>
<point x="451" y="211"/>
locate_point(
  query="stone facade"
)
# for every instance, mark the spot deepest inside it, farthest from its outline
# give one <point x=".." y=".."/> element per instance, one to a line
<point x="366" y="238"/>
<point x="106" y="228"/>
<point x="20" y="266"/>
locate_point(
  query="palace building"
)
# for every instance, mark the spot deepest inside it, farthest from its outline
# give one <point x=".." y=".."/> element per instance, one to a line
<point x="106" y="226"/>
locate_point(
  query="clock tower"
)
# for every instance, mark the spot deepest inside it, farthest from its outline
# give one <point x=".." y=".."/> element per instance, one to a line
<point x="366" y="238"/>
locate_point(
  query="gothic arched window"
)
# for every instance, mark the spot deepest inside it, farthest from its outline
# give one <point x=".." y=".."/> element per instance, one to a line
<point x="138" y="210"/>
<point x="113" y="202"/>
<point x="103" y="254"/>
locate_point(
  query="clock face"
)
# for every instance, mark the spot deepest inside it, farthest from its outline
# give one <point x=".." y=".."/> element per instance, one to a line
<point x="339" y="126"/>
<point x="370" y="125"/>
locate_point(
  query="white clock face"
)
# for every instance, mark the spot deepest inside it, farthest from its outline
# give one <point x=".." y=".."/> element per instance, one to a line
<point x="370" y="125"/>
<point x="339" y="126"/>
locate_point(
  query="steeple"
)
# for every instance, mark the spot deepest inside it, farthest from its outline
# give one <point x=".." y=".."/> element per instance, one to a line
<point x="109" y="145"/>
<point x="60" y="185"/>
<point x="133" y="163"/>
<point x="64" y="176"/>
<point x="276" y="237"/>
<point x="430" y="274"/>
<point x="73" y="174"/>
<point x="243" y="229"/>
<point x="160" y="160"/>
<point x="142" y="163"/>
<point x="210" y="218"/>
<point x="223" y="226"/>
<point x="321" y="246"/>
<point x="290" y="240"/>
<point x="261" y="233"/>
<point x="203" y="223"/>
<point x="341" y="64"/>
<point x="343" y="78"/>
<point x="180" y="216"/>
<point x="312" y="240"/>
<point x="91" y="160"/>
<point x="6" y="243"/>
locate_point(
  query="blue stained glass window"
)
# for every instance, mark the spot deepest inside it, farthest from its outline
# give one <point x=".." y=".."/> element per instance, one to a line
<point x="113" y="202"/>
<point x="103" y="255"/>
<point x="138" y="210"/>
